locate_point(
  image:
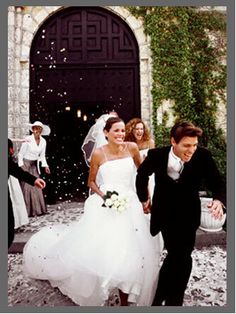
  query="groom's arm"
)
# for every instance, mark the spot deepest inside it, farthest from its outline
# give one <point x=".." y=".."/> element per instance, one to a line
<point x="144" y="171"/>
<point x="19" y="173"/>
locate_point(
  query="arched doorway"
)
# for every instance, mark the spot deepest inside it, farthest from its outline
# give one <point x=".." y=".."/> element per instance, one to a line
<point x="84" y="61"/>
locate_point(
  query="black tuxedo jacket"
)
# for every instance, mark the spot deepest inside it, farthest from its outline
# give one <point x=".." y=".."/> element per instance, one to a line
<point x="177" y="203"/>
<point x="16" y="171"/>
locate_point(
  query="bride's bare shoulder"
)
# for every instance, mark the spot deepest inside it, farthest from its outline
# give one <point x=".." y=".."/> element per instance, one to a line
<point x="98" y="155"/>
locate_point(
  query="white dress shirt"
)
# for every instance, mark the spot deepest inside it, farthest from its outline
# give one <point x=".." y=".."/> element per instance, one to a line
<point x="31" y="151"/>
<point x="175" y="165"/>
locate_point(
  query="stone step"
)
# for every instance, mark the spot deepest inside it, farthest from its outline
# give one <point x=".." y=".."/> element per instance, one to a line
<point x="206" y="238"/>
<point x="203" y="239"/>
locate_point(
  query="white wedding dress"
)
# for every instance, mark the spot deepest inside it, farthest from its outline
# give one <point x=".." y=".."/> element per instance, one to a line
<point x="106" y="249"/>
<point x="18" y="203"/>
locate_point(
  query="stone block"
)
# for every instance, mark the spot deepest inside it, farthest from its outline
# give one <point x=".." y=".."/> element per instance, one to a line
<point x="51" y="9"/>
<point x="25" y="52"/>
<point x="18" y="35"/>
<point x="11" y="120"/>
<point x="25" y="78"/>
<point x="124" y="13"/>
<point x="24" y="96"/>
<point x="11" y="77"/>
<point x="17" y="51"/>
<point x="27" y="38"/>
<point x="40" y="16"/>
<point x="29" y="24"/>
<point x="18" y="18"/>
<point x="11" y="93"/>
<point x="11" y="19"/>
<point x="144" y="51"/>
<point x="11" y="34"/>
<point x="134" y="23"/>
<point x="140" y="36"/>
<point x="204" y="238"/>
<point x="24" y="108"/>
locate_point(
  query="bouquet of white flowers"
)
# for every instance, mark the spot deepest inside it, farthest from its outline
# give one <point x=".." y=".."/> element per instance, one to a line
<point x="114" y="201"/>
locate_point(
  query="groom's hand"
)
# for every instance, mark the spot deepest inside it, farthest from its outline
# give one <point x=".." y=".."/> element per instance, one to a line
<point x="146" y="206"/>
<point x="216" y="209"/>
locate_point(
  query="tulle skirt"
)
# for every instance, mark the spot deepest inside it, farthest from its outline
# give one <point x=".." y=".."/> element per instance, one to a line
<point x="106" y="249"/>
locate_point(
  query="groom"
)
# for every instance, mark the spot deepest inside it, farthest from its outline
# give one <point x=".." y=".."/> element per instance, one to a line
<point x="175" y="211"/>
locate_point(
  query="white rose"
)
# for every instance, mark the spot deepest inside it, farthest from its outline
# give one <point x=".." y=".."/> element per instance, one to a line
<point x="114" y="197"/>
<point x="122" y="202"/>
<point x="108" y="202"/>
<point x="116" y="204"/>
<point x="121" y="209"/>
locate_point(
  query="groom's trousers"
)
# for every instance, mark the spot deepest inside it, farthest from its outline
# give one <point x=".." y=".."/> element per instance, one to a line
<point x="177" y="266"/>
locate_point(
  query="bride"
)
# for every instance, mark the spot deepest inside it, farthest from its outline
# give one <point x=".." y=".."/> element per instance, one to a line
<point x="111" y="246"/>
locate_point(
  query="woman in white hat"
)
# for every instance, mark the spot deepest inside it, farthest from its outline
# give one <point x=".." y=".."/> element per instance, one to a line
<point x="31" y="153"/>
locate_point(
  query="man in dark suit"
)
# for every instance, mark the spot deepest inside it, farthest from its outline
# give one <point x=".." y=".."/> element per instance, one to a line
<point x="175" y="211"/>
<point x="16" y="171"/>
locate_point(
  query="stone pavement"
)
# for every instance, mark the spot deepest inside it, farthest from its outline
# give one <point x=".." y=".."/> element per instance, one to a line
<point x="207" y="285"/>
<point x="71" y="211"/>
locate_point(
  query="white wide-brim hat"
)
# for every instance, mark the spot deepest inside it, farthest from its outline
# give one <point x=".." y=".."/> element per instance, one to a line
<point x="45" y="128"/>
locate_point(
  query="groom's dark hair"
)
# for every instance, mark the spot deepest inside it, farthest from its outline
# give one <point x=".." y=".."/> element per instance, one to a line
<point x="184" y="128"/>
<point x="110" y="122"/>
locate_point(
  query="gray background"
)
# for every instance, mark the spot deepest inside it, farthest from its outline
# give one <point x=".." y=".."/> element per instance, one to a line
<point x="230" y="161"/>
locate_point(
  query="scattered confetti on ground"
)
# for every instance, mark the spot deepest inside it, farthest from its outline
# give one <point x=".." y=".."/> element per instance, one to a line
<point x="206" y="287"/>
<point x="60" y="213"/>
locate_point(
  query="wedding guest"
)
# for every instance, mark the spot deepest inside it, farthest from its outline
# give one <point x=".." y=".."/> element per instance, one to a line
<point x="175" y="211"/>
<point x="137" y="131"/>
<point x="31" y="153"/>
<point x="17" y="198"/>
<point x="18" y="173"/>
<point x="110" y="247"/>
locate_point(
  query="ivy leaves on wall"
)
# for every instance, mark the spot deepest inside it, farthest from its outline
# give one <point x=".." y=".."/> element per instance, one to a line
<point x="188" y="52"/>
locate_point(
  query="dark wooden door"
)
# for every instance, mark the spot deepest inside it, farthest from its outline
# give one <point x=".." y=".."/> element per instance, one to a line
<point x="87" y="59"/>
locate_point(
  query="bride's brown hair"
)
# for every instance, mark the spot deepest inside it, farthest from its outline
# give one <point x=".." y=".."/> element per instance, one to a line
<point x="110" y="122"/>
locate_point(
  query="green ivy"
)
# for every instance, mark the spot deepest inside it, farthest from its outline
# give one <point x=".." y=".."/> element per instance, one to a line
<point x="187" y="70"/>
